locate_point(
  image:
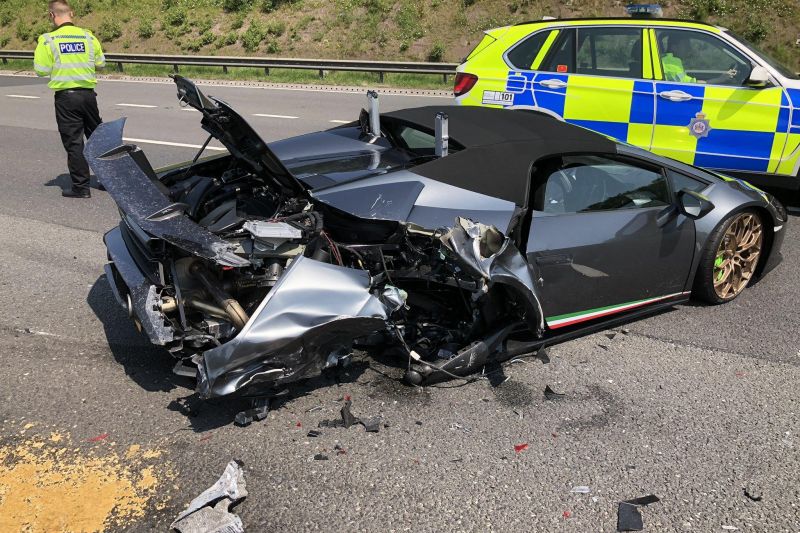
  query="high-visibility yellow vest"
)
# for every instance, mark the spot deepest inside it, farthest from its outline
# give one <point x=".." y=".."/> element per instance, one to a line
<point x="69" y="55"/>
<point x="673" y="69"/>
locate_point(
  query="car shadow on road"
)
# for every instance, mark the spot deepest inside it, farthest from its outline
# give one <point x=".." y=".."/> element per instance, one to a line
<point x="148" y="366"/>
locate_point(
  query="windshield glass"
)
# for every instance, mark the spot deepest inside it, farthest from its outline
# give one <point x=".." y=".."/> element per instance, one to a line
<point x="774" y="63"/>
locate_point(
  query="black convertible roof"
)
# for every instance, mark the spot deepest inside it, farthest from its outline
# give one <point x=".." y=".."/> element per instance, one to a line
<point x="499" y="146"/>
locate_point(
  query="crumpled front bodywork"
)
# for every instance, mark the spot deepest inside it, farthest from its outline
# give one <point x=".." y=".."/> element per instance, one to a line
<point x="316" y="309"/>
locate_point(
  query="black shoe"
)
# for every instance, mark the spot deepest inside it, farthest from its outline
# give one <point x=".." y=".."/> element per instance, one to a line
<point x="80" y="193"/>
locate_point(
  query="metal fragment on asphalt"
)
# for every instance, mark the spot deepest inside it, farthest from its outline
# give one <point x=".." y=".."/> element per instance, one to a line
<point x="209" y="512"/>
<point x="628" y="516"/>
<point x="550" y="394"/>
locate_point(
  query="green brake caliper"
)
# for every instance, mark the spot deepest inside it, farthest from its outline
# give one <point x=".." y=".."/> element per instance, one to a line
<point x="718" y="266"/>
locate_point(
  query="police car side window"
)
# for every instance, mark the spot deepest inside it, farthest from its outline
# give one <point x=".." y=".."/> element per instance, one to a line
<point x="610" y="52"/>
<point x="581" y="184"/>
<point x="523" y="54"/>
<point x="561" y="57"/>
<point x="698" y="57"/>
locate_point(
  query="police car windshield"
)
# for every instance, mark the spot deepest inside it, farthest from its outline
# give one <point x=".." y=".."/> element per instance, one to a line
<point x="771" y="61"/>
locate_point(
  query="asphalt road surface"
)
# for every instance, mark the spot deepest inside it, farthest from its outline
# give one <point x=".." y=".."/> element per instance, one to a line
<point x="693" y="405"/>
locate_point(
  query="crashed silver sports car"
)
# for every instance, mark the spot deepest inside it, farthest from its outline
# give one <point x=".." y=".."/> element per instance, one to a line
<point x="455" y="237"/>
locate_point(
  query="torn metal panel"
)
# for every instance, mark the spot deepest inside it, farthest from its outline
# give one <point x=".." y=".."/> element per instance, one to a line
<point x="484" y="252"/>
<point x="140" y="198"/>
<point x="208" y="512"/>
<point x="314" y="309"/>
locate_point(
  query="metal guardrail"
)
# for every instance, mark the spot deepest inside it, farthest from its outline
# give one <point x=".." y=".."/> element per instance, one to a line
<point x="320" y="65"/>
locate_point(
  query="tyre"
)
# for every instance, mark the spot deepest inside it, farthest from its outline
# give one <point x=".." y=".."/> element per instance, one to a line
<point x="730" y="258"/>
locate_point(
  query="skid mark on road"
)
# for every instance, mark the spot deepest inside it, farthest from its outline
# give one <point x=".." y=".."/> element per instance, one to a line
<point x="49" y="482"/>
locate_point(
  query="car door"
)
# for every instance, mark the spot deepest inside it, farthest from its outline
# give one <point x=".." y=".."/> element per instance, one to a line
<point x="598" y="77"/>
<point x="708" y="116"/>
<point x="606" y="237"/>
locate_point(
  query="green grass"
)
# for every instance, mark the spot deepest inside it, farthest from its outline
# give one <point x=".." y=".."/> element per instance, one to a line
<point x="357" y="79"/>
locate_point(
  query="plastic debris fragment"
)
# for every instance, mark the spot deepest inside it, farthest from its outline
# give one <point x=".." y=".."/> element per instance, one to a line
<point x="209" y="512"/>
<point x="258" y="412"/>
<point x="581" y="489"/>
<point x="628" y="516"/>
<point x="550" y="394"/>
<point x="520" y="447"/>
<point x="314" y="433"/>
<point x="320" y="457"/>
<point x="752" y="496"/>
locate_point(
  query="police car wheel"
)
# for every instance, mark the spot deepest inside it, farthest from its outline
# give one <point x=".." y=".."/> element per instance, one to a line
<point x="730" y="258"/>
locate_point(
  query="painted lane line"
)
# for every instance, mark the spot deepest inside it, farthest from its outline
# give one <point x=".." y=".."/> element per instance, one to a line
<point x="273" y="116"/>
<point x="23" y="96"/>
<point x="138" y="105"/>
<point x="340" y="121"/>
<point x="178" y="145"/>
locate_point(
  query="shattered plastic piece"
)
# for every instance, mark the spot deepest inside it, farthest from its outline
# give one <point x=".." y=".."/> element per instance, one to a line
<point x="184" y="370"/>
<point x="611" y="336"/>
<point x="347" y="417"/>
<point x="259" y="411"/>
<point x="315" y="408"/>
<point x="543" y="355"/>
<point x="314" y="433"/>
<point x="98" y="438"/>
<point x="581" y="489"/>
<point x="628" y="516"/>
<point x="566" y="514"/>
<point x="550" y="394"/>
<point x="520" y="447"/>
<point x="373" y="425"/>
<point x="208" y="512"/>
<point x="320" y="457"/>
<point x="752" y="496"/>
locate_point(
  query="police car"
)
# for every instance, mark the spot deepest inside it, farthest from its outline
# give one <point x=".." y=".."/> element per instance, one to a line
<point x="691" y="91"/>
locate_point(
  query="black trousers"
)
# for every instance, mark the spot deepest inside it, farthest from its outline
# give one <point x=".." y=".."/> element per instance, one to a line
<point x="77" y="115"/>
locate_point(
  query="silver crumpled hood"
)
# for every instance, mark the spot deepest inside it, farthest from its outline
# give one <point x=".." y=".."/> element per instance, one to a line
<point x="315" y="308"/>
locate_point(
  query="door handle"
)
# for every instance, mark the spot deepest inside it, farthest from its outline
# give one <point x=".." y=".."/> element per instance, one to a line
<point x="675" y="96"/>
<point x="553" y="83"/>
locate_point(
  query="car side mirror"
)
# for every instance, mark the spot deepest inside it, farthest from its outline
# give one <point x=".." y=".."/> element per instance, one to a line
<point x="758" y="78"/>
<point x="693" y="204"/>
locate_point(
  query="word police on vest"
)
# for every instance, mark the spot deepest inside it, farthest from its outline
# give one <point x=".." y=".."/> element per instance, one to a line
<point x="72" y="48"/>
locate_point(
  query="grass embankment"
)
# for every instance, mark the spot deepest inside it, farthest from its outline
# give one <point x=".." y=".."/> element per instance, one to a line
<point x="411" y="30"/>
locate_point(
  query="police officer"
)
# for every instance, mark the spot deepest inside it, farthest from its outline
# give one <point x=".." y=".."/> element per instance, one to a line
<point x="69" y="56"/>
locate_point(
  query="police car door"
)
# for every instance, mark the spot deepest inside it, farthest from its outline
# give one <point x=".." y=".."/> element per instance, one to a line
<point x="600" y="78"/>
<point x="705" y="113"/>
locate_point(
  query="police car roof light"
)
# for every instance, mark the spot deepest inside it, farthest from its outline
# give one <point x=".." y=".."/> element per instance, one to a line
<point x="644" y="10"/>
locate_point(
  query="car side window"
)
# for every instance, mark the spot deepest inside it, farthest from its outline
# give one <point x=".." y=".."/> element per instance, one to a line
<point x="582" y="184"/>
<point x="697" y="57"/>
<point x="680" y="182"/>
<point x="610" y="52"/>
<point x="524" y="53"/>
<point x="562" y="56"/>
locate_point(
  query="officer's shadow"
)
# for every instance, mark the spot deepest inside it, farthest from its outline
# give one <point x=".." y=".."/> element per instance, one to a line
<point x="64" y="181"/>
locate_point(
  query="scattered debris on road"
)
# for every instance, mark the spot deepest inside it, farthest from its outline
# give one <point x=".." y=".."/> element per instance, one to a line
<point x="581" y="489"/>
<point x="752" y="495"/>
<point x="210" y="511"/>
<point x="313" y="433"/>
<point x="98" y="438"/>
<point x="348" y="419"/>
<point x="520" y="447"/>
<point x="320" y="457"/>
<point x="258" y="412"/>
<point x="550" y="394"/>
<point x="628" y="516"/>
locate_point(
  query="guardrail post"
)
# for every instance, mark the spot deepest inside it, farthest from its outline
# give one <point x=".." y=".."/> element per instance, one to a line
<point x="380" y="77"/>
<point x="5" y="61"/>
<point x="175" y="68"/>
<point x="444" y="78"/>
<point x="224" y="69"/>
<point x="321" y="73"/>
<point x="266" y="71"/>
<point x="119" y="66"/>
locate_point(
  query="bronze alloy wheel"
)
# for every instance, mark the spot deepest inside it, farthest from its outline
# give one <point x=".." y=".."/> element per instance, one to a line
<point x="737" y="255"/>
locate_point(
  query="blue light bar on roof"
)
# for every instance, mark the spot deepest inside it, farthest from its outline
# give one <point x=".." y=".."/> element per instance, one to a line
<point x="644" y="10"/>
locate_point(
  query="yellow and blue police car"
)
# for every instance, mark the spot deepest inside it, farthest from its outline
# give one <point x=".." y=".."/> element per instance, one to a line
<point x="687" y="90"/>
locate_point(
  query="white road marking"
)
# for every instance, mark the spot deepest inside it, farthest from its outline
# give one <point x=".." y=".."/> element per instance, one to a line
<point x="138" y="105"/>
<point x="23" y="96"/>
<point x="166" y="143"/>
<point x="272" y="116"/>
<point x="340" y="121"/>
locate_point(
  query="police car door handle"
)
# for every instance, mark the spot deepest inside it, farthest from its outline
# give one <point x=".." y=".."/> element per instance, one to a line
<point x="553" y="83"/>
<point x="675" y="96"/>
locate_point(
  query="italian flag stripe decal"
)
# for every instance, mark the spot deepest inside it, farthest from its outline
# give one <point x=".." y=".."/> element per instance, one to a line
<point x="569" y="319"/>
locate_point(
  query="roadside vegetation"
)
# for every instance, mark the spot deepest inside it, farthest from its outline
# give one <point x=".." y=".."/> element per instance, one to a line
<point x="412" y="30"/>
